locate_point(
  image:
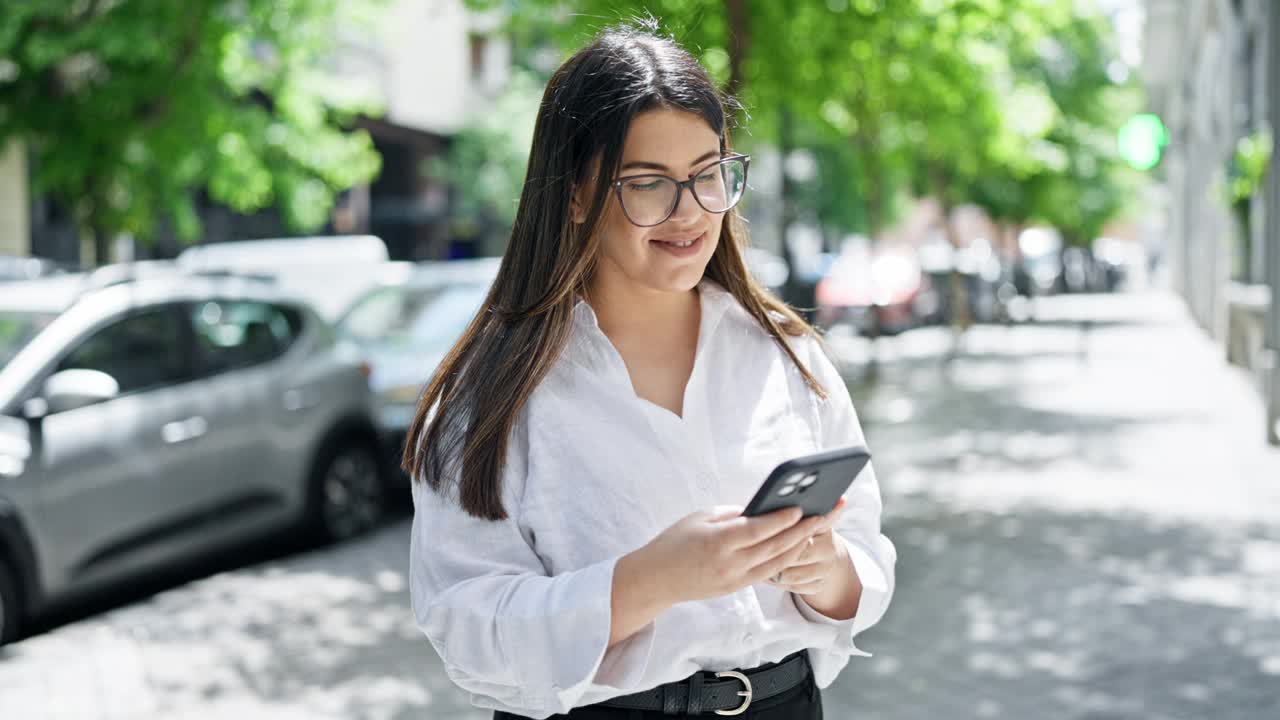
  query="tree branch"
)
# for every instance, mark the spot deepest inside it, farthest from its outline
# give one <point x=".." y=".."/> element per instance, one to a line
<point x="55" y="25"/>
<point x="739" y="42"/>
<point x="152" y="113"/>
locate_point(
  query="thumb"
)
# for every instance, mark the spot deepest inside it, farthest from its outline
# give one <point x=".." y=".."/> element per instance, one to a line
<point x="833" y="517"/>
<point x="841" y="506"/>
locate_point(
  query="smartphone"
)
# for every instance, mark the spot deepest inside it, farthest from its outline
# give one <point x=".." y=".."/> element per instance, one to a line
<point x="814" y="483"/>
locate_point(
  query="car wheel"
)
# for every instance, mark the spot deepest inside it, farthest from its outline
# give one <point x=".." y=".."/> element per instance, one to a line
<point x="347" y="493"/>
<point x="9" y="610"/>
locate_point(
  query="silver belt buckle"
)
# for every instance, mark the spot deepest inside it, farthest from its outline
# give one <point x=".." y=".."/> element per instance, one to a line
<point x="745" y="694"/>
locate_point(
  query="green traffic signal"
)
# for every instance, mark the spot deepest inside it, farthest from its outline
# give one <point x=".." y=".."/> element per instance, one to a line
<point x="1141" y="139"/>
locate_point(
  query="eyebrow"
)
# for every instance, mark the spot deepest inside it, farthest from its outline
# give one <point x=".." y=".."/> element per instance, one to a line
<point x="659" y="166"/>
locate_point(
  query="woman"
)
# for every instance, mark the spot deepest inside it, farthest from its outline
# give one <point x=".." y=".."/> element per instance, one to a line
<point x="582" y="456"/>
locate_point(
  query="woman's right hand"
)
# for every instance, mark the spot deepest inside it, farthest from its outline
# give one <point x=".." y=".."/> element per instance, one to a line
<point x="719" y="551"/>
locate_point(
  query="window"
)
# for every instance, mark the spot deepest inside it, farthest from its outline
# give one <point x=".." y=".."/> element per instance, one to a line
<point x="234" y="334"/>
<point x="414" y="319"/>
<point x="477" y="44"/>
<point x="17" y="328"/>
<point x="141" y="352"/>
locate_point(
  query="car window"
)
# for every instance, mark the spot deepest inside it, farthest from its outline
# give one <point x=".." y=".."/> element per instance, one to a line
<point x="234" y="334"/>
<point x="141" y="352"/>
<point x="416" y="319"/>
<point x="384" y="312"/>
<point x="17" y="329"/>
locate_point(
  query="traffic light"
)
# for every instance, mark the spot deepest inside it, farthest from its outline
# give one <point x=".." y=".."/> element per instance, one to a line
<point x="1141" y="139"/>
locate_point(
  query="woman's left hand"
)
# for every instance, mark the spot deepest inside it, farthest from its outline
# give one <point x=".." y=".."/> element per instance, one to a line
<point x="825" y="558"/>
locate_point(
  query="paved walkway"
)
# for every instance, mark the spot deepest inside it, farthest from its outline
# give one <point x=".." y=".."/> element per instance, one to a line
<point x="1087" y="527"/>
<point x="1088" y="524"/>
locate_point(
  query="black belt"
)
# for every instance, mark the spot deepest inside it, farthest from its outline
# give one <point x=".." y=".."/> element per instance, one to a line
<point x="724" y="693"/>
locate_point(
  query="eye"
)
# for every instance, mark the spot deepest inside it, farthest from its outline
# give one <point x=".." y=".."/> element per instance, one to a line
<point x="709" y="177"/>
<point x="642" y="186"/>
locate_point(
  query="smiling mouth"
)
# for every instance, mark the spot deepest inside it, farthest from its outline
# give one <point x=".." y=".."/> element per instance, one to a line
<point x="686" y="243"/>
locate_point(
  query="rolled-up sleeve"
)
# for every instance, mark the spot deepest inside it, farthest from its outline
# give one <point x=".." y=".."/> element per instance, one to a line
<point x="872" y="554"/>
<point x="516" y="638"/>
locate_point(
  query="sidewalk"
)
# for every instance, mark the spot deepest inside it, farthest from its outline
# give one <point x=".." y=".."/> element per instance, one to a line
<point x="1088" y="525"/>
<point x="1086" y="534"/>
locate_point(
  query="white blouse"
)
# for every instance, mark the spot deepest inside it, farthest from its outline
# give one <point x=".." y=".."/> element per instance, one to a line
<point x="519" y="610"/>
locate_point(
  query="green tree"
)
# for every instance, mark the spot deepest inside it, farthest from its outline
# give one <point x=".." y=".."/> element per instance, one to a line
<point x="132" y="107"/>
<point x="1001" y="103"/>
<point x="486" y="161"/>
<point x="1080" y="183"/>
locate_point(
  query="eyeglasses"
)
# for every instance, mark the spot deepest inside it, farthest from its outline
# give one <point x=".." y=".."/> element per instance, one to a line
<point x="649" y="200"/>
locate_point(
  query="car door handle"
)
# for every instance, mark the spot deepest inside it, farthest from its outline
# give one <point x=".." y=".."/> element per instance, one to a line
<point x="180" y="431"/>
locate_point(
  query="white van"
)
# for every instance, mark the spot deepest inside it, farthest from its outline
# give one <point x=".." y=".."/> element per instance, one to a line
<point x="327" y="271"/>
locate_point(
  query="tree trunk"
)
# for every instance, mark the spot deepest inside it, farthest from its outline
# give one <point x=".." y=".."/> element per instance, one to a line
<point x="792" y="291"/>
<point x="875" y="202"/>
<point x="961" y="318"/>
<point x="866" y="140"/>
<point x="92" y="219"/>
<point x="739" y="42"/>
<point x="101" y="242"/>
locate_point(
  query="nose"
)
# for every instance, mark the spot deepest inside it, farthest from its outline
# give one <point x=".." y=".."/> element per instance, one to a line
<point x="688" y="210"/>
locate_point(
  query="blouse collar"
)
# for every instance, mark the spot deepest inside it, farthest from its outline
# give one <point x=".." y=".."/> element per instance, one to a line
<point x="592" y="348"/>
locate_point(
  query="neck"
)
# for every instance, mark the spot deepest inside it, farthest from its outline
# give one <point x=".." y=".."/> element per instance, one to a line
<point x="628" y="308"/>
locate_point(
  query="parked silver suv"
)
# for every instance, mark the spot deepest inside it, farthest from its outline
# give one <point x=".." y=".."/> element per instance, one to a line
<point x="146" y="417"/>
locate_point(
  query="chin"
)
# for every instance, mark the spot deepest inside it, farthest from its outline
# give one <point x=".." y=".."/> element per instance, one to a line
<point x="682" y="285"/>
<point x="682" y="280"/>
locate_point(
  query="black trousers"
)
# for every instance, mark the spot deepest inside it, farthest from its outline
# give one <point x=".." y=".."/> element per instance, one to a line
<point x="802" y="702"/>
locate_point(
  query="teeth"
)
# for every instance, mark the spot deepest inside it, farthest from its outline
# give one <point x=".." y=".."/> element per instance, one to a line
<point x="684" y="244"/>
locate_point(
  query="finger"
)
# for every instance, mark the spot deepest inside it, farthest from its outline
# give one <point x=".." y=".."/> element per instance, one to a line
<point x="833" y="518"/>
<point x="803" y="574"/>
<point x="824" y="541"/>
<point x="775" y="565"/>
<point x="808" y="588"/>
<point x="744" y="532"/>
<point x="793" y="538"/>
<point x="815" y="554"/>
<point x="807" y="556"/>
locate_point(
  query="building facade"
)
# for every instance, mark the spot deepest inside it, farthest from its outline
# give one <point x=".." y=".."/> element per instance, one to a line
<point x="15" y="211"/>
<point x="435" y="65"/>
<point x="1211" y="69"/>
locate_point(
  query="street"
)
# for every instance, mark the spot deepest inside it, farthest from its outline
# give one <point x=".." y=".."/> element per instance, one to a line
<point x="1086" y="522"/>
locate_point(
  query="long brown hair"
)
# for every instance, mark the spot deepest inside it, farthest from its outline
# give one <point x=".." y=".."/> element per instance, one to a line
<point x="458" y="438"/>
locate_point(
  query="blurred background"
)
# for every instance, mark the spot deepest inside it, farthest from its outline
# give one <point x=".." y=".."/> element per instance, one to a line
<point x="236" y="236"/>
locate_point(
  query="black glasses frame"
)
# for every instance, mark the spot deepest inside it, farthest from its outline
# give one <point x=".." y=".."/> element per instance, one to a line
<point x="681" y="185"/>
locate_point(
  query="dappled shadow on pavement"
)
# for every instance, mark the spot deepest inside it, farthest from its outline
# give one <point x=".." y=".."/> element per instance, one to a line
<point x="325" y="635"/>
<point x="334" y="636"/>
<point x="1085" y="531"/>
<point x="976" y="428"/>
<point x="1042" y="614"/>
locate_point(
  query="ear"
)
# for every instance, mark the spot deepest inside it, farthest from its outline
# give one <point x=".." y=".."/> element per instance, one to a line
<point x="577" y="206"/>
